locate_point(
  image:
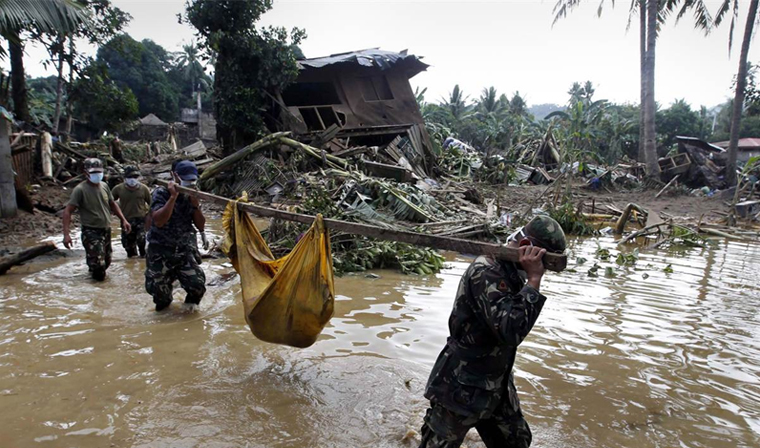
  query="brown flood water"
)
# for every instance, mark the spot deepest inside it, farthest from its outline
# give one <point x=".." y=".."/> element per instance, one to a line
<point x="672" y="360"/>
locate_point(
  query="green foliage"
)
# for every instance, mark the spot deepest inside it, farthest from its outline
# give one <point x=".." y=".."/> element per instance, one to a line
<point x="603" y="254"/>
<point x="49" y="16"/>
<point x="250" y="62"/>
<point x="627" y="259"/>
<point x="668" y="269"/>
<point x="678" y="119"/>
<point x="101" y="102"/>
<point x="143" y="68"/>
<point x="371" y="254"/>
<point x="572" y="222"/>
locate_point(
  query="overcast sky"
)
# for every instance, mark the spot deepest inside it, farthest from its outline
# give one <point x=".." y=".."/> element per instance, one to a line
<point x="508" y="44"/>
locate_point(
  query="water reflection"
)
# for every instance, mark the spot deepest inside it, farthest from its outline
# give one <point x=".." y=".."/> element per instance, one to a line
<point x="643" y="358"/>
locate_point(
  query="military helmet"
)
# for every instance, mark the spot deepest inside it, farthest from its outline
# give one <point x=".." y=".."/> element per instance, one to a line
<point x="547" y="232"/>
<point x="131" y="171"/>
<point x="93" y="165"/>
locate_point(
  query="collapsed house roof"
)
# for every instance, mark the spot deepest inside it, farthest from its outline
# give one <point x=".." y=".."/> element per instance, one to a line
<point x="152" y="120"/>
<point x="747" y="144"/>
<point x="713" y="147"/>
<point x="373" y="57"/>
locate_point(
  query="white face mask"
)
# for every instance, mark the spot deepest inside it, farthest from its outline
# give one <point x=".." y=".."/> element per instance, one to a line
<point x="188" y="183"/>
<point x="131" y="182"/>
<point x="96" y="177"/>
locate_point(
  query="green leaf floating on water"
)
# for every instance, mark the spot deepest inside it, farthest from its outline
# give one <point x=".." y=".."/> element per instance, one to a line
<point x="580" y="260"/>
<point x="609" y="271"/>
<point x="593" y="271"/>
<point x="668" y="269"/>
<point x="603" y="254"/>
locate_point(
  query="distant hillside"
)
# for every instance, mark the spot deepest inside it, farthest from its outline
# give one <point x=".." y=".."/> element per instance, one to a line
<point x="542" y="110"/>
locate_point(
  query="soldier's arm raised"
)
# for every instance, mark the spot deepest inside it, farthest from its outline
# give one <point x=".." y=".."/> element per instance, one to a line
<point x="510" y="316"/>
<point x="163" y="207"/>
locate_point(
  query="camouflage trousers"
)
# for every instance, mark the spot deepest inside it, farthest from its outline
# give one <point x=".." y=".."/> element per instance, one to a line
<point x="446" y="429"/>
<point x="165" y="264"/>
<point x="97" y="247"/>
<point x="134" y="241"/>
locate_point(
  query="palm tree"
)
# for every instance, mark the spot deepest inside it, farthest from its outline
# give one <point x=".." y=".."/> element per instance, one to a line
<point x="651" y="14"/>
<point x="192" y="70"/>
<point x="15" y="15"/>
<point x="456" y="103"/>
<point x="489" y="102"/>
<point x="741" y="77"/>
<point x="49" y="16"/>
<point x="518" y="106"/>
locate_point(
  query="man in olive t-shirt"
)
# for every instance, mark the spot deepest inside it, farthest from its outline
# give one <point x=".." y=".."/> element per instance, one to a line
<point x="95" y="203"/>
<point x="134" y="201"/>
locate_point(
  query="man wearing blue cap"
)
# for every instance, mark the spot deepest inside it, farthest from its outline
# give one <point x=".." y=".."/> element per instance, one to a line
<point x="172" y="246"/>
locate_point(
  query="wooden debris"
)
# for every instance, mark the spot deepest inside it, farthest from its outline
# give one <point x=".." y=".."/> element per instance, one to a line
<point x="229" y="161"/>
<point x="672" y="181"/>
<point x="25" y="255"/>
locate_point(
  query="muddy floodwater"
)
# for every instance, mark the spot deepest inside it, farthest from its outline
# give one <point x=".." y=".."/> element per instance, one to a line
<point x="644" y="358"/>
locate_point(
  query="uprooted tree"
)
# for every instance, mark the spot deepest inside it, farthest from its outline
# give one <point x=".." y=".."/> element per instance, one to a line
<point x="251" y="63"/>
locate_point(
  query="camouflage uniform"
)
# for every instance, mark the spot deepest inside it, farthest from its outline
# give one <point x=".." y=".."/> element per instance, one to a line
<point x="173" y="253"/>
<point x="471" y="384"/>
<point x="134" y="241"/>
<point x="97" y="247"/>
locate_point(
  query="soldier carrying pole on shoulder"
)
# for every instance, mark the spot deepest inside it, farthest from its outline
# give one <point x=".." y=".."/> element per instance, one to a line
<point x="471" y="384"/>
<point x="172" y="244"/>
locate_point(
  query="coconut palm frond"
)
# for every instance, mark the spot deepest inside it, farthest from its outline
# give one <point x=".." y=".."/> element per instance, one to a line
<point x="47" y="15"/>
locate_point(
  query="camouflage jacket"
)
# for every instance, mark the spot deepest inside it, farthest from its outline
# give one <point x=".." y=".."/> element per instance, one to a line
<point x="179" y="230"/>
<point x="493" y="312"/>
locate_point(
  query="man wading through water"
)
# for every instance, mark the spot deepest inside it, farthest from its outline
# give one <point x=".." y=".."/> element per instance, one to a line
<point x="471" y="384"/>
<point x="95" y="203"/>
<point x="134" y="200"/>
<point x="172" y="245"/>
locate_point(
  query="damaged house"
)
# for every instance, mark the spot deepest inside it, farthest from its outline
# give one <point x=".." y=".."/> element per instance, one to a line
<point x="362" y="99"/>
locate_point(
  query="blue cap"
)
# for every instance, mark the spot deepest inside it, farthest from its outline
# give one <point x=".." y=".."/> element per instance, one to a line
<point x="186" y="170"/>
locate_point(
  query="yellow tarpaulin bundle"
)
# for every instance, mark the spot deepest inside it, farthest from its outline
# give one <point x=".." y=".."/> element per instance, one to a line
<point x="289" y="300"/>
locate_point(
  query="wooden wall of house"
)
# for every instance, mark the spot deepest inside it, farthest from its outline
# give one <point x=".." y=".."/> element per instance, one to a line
<point x="359" y="111"/>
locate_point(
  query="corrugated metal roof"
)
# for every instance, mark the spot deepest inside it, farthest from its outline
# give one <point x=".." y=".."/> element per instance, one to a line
<point x="744" y="143"/>
<point x="373" y="57"/>
<point x="699" y="143"/>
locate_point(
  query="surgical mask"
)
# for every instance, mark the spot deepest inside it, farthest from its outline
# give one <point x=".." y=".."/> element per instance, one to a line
<point x="96" y="177"/>
<point x="132" y="182"/>
<point x="188" y="183"/>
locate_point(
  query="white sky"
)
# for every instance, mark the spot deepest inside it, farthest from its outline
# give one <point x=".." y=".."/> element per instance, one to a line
<point x="509" y="44"/>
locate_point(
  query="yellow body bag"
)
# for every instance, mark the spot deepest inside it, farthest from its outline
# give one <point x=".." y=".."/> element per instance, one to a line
<point x="289" y="300"/>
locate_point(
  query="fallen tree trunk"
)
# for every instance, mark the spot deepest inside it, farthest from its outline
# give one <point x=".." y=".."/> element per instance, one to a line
<point x="25" y="255"/>
<point x="239" y="155"/>
<point x="553" y="262"/>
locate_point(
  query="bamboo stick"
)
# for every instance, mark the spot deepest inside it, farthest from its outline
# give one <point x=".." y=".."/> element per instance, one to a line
<point x="552" y="262"/>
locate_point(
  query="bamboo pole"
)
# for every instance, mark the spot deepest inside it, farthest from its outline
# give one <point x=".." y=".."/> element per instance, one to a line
<point x="552" y="262"/>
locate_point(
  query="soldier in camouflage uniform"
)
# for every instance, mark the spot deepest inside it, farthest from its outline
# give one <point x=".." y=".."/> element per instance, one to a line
<point x="95" y="203"/>
<point x="172" y="247"/>
<point x="471" y="384"/>
<point x="134" y="199"/>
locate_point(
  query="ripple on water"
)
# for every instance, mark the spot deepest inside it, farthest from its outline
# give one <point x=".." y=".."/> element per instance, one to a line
<point x="631" y="360"/>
